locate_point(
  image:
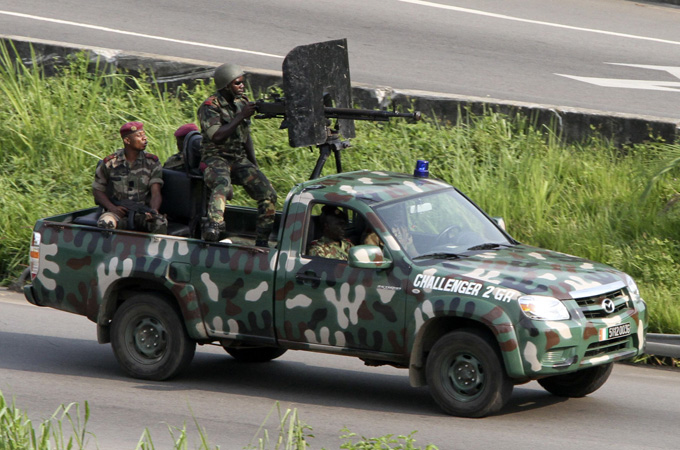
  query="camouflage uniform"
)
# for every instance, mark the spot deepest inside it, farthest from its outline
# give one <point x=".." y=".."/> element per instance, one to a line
<point x="328" y="248"/>
<point x="228" y="163"/>
<point x="175" y="162"/>
<point x="371" y="238"/>
<point x="405" y="238"/>
<point x="120" y="182"/>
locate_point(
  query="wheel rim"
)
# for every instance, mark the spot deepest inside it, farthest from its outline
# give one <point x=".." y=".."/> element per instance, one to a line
<point x="146" y="339"/>
<point x="466" y="376"/>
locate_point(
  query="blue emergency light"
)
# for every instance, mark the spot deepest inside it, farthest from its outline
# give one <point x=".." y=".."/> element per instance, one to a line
<point x="422" y="169"/>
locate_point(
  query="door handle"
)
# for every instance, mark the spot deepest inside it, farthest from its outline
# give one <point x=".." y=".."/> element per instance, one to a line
<point x="308" y="277"/>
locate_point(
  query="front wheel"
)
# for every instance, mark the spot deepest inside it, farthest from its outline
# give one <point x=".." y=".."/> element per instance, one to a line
<point x="466" y="375"/>
<point x="577" y="384"/>
<point x="149" y="339"/>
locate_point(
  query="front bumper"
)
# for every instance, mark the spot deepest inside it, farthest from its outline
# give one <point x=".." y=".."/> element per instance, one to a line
<point x="554" y="347"/>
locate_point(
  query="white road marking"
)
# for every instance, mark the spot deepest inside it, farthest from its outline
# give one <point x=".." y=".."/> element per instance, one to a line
<point x="141" y="35"/>
<point x="650" y="85"/>
<point x="675" y="71"/>
<point x="537" y="22"/>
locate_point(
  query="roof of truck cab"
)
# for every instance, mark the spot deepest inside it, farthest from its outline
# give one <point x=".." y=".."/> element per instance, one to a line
<point x="370" y="186"/>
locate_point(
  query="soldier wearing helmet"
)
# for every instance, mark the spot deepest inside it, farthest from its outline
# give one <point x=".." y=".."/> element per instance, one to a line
<point x="228" y="154"/>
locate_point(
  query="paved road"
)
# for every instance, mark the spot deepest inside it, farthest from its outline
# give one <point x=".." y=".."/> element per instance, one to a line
<point x="609" y="55"/>
<point x="48" y="358"/>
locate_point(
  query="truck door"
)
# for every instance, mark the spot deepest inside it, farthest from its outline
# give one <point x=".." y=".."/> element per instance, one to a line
<point x="327" y="303"/>
<point x="233" y="286"/>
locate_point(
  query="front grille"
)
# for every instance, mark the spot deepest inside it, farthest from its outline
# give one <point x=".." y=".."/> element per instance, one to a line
<point x="608" y="347"/>
<point x="592" y="307"/>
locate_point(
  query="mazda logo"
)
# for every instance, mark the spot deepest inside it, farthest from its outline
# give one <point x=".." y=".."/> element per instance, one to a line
<point x="608" y="305"/>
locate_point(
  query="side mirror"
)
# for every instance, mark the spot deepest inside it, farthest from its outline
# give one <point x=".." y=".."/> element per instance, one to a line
<point x="500" y="222"/>
<point x="368" y="257"/>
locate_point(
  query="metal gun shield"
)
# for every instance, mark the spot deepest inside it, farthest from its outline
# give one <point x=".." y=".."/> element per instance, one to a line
<point x="310" y="72"/>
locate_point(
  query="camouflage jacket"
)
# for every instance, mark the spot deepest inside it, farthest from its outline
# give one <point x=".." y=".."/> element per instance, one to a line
<point x="175" y="162"/>
<point x="119" y="181"/>
<point x="328" y="248"/>
<point x="212" y="114"/>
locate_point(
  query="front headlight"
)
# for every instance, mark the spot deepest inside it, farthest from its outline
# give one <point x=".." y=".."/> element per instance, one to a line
<point x="632" y="288"/>
<point x="538" y="307"/>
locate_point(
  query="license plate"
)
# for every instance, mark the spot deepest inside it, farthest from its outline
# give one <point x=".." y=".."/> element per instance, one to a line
<point x="614" y="332"/>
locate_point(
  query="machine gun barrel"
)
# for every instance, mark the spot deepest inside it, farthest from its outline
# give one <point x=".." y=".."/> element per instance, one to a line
<point x="367" y="114"/>
<point x="277" y="109"/>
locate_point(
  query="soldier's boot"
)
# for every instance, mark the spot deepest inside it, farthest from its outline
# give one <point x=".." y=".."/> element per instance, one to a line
<point x="212" y="231"/>
<point x="261" y="243"/>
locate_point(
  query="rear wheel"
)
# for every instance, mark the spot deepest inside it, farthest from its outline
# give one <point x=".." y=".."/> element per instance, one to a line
<point x="577" y="384"/>
<point x="466" y="375"/>
<point x="149" y="339"/>
<point x="255" y="354"/>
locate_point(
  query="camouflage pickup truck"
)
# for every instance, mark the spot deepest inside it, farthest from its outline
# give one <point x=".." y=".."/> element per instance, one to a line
<point x="446" y="293"/>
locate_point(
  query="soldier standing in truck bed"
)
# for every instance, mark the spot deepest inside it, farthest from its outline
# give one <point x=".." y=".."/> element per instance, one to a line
<point x="128" y="184"/>
<point x="228" y="153"/>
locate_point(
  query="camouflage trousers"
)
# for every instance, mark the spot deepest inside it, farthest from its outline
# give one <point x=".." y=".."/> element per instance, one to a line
<point x="158" y="225"/>
<point x="219" y="176"/>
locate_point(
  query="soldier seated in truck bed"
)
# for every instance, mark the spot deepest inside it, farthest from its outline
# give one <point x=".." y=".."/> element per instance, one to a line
<point x="128" y="183"/>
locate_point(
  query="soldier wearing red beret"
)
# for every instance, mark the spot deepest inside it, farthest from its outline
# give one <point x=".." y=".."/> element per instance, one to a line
<point x="176" y="161"/>
<point x="128" y="183"/>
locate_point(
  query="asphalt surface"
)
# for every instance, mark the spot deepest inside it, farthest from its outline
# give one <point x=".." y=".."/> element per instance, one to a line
<point x="608" y="55"/>
<point x="49" y="358"/>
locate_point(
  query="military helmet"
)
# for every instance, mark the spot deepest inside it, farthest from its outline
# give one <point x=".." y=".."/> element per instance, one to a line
<point x="226" y="73"/>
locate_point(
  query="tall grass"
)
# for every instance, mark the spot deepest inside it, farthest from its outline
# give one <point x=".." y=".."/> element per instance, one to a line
<point x="583" y="199"/>
<point x="17" y="432"/>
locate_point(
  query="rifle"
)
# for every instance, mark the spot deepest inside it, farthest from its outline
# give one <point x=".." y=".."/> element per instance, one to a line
<point x="134" y="208"/>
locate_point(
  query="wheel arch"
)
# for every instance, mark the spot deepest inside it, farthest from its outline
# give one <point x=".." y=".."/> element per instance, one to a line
<point x="180" y="296"/>
<point x="502" y="336"/>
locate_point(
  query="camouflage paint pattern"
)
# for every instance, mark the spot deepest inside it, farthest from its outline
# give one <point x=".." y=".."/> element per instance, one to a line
<point x="228" y="291"/>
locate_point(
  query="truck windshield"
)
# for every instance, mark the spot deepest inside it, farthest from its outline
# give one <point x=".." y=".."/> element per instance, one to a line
<point x="443" y="224"/>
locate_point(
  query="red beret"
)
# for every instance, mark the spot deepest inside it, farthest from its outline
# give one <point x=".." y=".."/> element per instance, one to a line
<point x="131" y="127"/>
<point x="185" y="129"/>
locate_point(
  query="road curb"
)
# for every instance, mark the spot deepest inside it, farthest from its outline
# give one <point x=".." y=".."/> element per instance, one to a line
<point x="571" y="124"/>
<point x="663" y="345"/>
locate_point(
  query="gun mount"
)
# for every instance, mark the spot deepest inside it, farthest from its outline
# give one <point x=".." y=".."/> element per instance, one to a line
<point x="316" y="85"/>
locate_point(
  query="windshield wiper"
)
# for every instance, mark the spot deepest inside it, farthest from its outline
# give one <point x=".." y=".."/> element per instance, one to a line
<point x="488" y="246"/>
<point x="439" y="255"/>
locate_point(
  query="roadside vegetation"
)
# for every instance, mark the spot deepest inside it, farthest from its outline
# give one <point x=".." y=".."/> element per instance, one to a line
<point x="582" y="199"/>
<point x="66" y="429"/>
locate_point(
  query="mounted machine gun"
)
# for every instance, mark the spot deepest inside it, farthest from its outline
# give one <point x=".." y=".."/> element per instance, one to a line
<point x="316" y="85"/>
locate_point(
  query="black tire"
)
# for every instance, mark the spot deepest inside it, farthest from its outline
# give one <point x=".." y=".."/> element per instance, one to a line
<point x="255" y="354"/>
<point x="577" y="384"/>
<point x="149" y="339"/>
<point x="481" y="387"/>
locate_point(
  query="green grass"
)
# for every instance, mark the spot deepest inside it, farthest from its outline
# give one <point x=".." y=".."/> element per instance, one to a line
<point x="584" y="199"/>
<point x="66" y="429"/>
